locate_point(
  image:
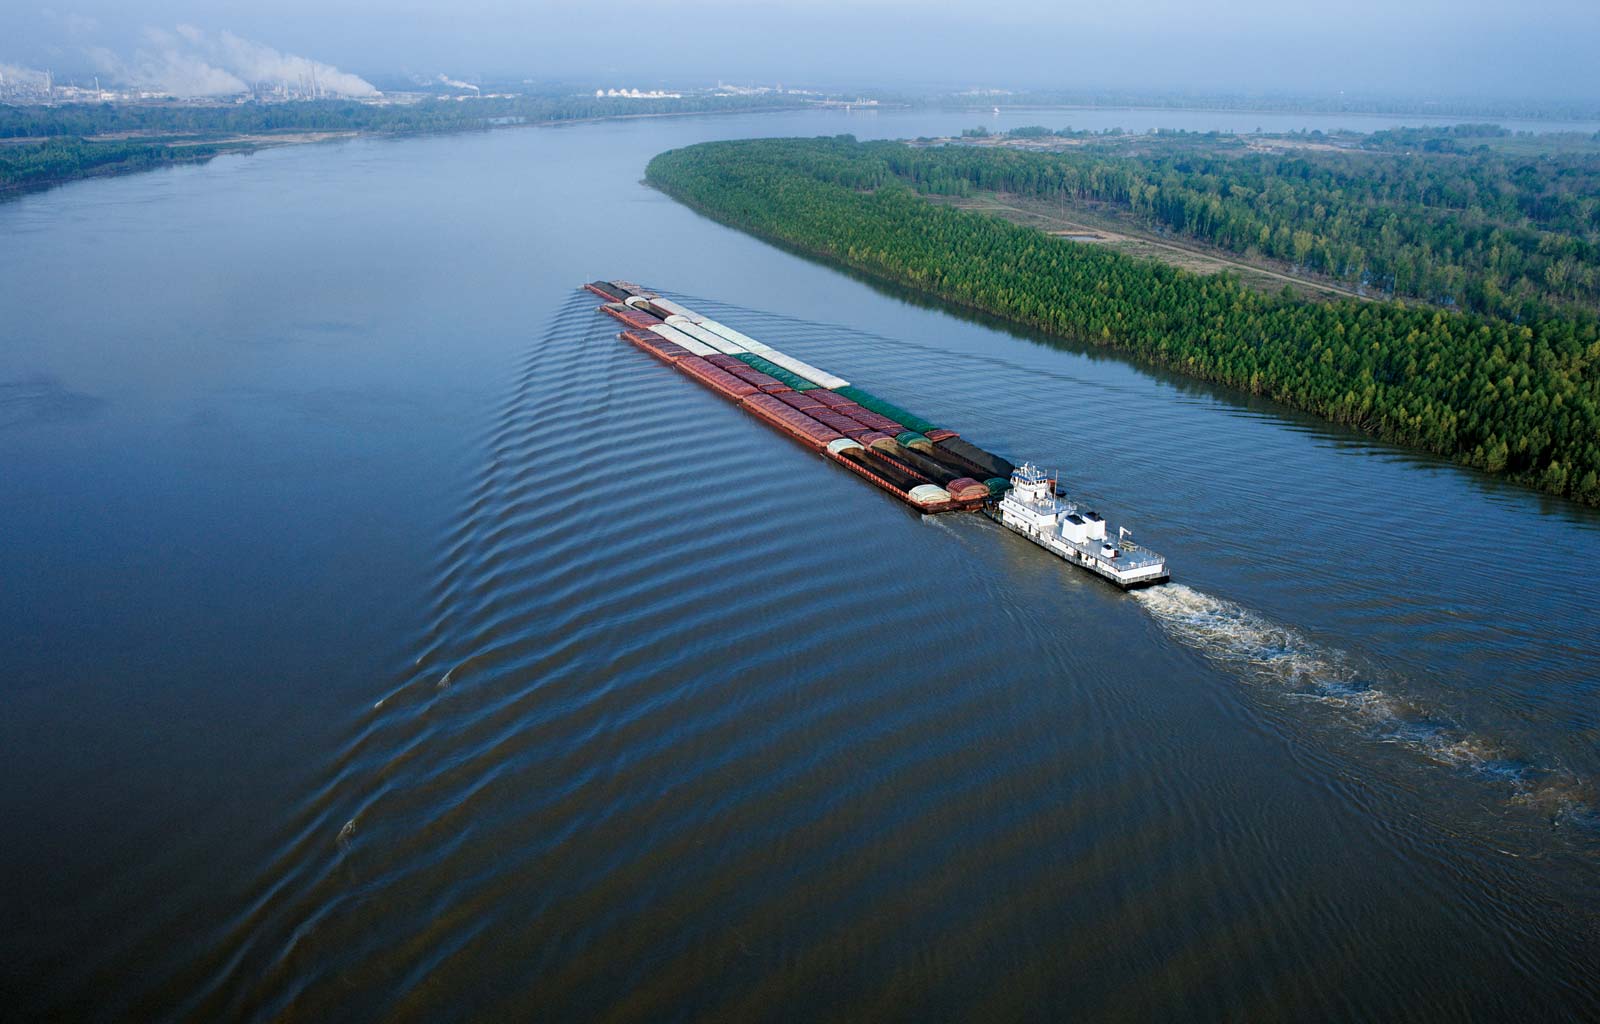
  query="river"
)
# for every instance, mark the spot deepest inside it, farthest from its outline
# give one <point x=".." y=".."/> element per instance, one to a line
<point x="385" y="640"/>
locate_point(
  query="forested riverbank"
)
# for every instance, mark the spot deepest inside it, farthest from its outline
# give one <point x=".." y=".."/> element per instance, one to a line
<point x="55" y="161"/>
<point x="1519" y="399"/>
<point x="56" y="144"/>
<point x="1467" y="217"/>
<point x="161" y="119"/>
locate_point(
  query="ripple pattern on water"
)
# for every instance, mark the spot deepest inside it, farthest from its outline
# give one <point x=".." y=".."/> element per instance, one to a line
<point x="725" y="734"/>
<point x="1295" y="666"/>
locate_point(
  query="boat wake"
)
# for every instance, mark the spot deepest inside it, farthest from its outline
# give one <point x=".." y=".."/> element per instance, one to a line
<point x="1286" y="660"/>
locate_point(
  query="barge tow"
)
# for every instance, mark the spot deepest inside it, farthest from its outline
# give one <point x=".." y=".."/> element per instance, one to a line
<point x="929" y="467"/>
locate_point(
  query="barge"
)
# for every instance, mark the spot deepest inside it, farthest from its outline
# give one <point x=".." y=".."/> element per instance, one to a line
<point x="927" y="466"/>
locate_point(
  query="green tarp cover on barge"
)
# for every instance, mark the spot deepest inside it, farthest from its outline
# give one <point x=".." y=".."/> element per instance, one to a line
<point x="772" y="369"/>
<point x="867" y="400"/>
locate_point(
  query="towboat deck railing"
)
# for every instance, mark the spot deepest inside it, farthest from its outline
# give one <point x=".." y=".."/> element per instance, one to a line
<point x="1131" y="557"/>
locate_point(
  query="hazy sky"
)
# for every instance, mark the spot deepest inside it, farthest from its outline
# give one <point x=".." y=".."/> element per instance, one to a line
<point x="1424" y="47"/>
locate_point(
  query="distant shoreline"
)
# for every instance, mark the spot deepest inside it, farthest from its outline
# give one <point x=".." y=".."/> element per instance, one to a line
<point x="245" y="143"/>
<point x="14" y="189"/>
<point x="978" y="108"/>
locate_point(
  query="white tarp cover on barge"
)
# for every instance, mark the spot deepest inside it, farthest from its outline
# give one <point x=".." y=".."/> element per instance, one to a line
<point x="729" y="341"/>
<point x="795" y="366"/>
<point x="705" y="337"/>
<point x="673" y="308"/>
<point x="672" y="334"/>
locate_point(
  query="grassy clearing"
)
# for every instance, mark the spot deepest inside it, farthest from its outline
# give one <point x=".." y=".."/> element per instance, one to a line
<point x="1100" y="225"/>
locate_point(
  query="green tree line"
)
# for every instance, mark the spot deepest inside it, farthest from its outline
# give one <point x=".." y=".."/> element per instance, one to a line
<point x="1480" y="230"/>
<point x="1517" y="399"/>
<point x="56" y="160"/>
<point x="68" y="148"/>
<point x="1574" y="109"/>
<point x="40" y="121"/>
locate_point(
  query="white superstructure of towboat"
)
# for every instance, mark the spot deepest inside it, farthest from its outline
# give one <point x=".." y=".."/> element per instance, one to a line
<point x="1032" y="509"/>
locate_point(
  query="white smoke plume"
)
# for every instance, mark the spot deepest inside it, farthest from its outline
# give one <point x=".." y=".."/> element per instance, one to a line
<point x="255" y="62"/>
<point x="163" y="65"/>
<point x="457" y="84"/>
<point x="193" y="62"/>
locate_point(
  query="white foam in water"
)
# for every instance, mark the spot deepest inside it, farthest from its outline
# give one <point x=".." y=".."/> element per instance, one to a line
<point x="1231" y="634"/>
<point x="1266" y="653"/>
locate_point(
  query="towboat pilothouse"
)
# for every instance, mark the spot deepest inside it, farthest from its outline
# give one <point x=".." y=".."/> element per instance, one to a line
<point x="1031" y="508"/>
